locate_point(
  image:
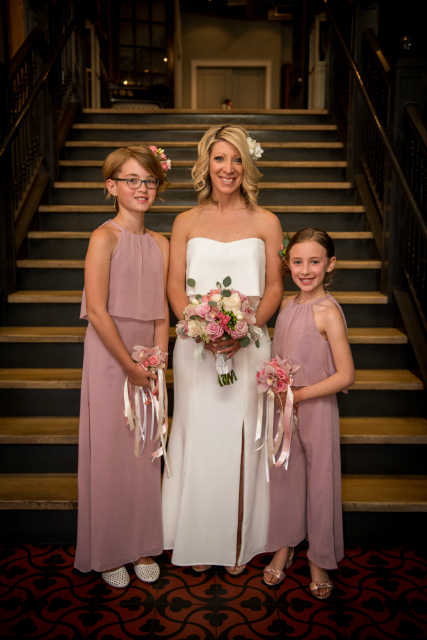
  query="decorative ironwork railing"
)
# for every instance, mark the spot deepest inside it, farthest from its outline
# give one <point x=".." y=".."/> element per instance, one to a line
<point x="415" y="265"/>
<point x="40" y="86"/>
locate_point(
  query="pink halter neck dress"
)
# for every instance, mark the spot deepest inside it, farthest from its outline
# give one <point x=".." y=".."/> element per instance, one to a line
<point x="305" y="499"/>
<point x="119" y="517"/>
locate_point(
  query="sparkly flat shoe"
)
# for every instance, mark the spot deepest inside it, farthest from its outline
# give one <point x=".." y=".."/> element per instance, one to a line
<point x="147" y="572"/>
<point x="236" y="571"/>
<point x="280" y="575"/>
<point x="118" y="579"/>
<point x="200" y="568"/>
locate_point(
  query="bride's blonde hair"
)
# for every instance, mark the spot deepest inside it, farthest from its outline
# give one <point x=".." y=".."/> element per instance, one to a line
<point x="237" y="136"/>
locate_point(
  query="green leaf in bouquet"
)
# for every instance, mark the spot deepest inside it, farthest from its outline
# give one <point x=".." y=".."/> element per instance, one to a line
<point x="211" y="303"/>
<point x="218" y="285"/>
<point x="191" y="282"/>
<point x="199" y="297"/>
<point x="257" y="343"/>
<point x="225" y="293"/>
<point x="244" y="341"/>
<point x="194" y="318"/>
<point x="180" y="331"/>
<point x="227" y="281"/>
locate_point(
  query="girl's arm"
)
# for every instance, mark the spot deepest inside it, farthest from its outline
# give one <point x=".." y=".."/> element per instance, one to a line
<point x="176" y="286"/>
<point x="331" y="323"/>
<point x="272" y="236"/>
<point x="161" y="327"/>
<point x="97" y="277"/>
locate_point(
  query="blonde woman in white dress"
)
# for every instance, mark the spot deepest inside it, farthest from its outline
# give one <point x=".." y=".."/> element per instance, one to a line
<point x="216" y="503"/>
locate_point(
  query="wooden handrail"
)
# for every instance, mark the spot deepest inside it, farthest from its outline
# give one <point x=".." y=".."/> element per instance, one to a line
<point x="409" y="196"/>
<point x="417" y="122"/>
<point x="40" y="82"/>
<point x="379" y="54"/>
<point x="19" y="57"/>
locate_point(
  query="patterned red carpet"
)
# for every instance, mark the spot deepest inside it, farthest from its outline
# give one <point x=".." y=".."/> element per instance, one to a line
<point x="381" y="594"/>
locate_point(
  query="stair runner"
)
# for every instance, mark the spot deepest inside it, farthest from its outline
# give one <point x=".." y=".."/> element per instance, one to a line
<point x="383" y="432"/>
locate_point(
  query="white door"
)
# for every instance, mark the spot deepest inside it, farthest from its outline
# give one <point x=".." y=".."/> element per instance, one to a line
<point x="317" y="63"/>
<point x="245" y="86"/>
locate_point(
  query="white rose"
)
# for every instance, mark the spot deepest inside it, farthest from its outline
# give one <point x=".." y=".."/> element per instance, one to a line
<point x="254" y="148"/>
<point x="239" y="315"/>
<point x="233" y="303"/>
<point x="193" y="329"/>
<point x="216" y="297"/>
<point x="195" y="301"/>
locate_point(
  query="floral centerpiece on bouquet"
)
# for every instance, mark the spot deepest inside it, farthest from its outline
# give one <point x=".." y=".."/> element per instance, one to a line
<point x="274" y="378"/>
<point x="150" y="359"/>
<point x="220" y="313"/>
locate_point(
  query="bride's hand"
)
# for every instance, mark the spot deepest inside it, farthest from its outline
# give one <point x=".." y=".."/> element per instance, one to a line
<point x="229" y="347"/>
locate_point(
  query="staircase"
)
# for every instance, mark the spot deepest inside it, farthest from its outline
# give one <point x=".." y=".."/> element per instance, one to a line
<point x="383" y="429"/>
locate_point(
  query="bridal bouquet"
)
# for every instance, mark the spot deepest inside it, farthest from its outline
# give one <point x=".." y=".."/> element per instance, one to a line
<point x="274" y="378"/>
<point x="151" y="359"/>
<point x="220" y="313"/>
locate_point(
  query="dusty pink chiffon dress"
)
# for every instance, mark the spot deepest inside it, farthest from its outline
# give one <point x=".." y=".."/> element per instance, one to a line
<point x="119" y="517"/>
<point x="305" y="500"/>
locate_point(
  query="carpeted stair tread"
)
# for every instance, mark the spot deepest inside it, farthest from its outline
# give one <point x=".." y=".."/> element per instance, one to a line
<point x="79" y="264"/>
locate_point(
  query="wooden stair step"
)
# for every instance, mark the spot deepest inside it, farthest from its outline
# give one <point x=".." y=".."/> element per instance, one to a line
<point x="219" y="112"/>
<point x="79" y="264"/>
<point x="49" y="491"/>
<point x="85" y="235"/>
<point x="42" y="334"/>
<point x="366" y="379"/>
<point x="54" y="297"/>
<point x="189" y="185"/>
<point x="384" y="493"/>
<point x="48" y="430"/>
<point x="199" y="127"/>
<point x="44" y="430"/>
<point x="83" y="208"/>
<point x="281" y="164"/>
<point x="103" y="144"/>
<point x="370" y="430"/>
<point x="356" y="335"/>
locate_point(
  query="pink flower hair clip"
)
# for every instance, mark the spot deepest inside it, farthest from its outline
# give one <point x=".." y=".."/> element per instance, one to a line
<point x="284" y="245"/>
<point x="160" y="153"/>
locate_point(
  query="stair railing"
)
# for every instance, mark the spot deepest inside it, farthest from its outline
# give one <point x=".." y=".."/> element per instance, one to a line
<point x="38" y="93"/>
<point x="415" y="266"/>
<point x="380" y="157"/>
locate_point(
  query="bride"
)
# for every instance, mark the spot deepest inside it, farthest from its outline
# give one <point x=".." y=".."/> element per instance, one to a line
<point x="216" y="502"/>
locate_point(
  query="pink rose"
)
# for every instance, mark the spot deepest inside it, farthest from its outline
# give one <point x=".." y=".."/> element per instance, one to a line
<point x="202" y="310"/>
<point x="205" y="299"/>
<point x="214" y="330"/>
<point x="224" y="320"/>
<point x="240" y="330"/>
<point x="214" y="291"/>
<point x="165" y="166"/>
<point x="163" y="156"/>
<point x="281" y="373"/>
<point x="248" y="313"/>
<point x="153" y="361"/>
<point x="280" y="386"/>
<point x="153" y="149"/>
<point x="146" y="364"/>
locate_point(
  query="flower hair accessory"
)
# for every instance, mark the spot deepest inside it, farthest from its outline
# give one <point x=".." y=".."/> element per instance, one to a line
<point x="254" y="148"/>
<point x="164" y="161"/>
<point x="284" y="245"/>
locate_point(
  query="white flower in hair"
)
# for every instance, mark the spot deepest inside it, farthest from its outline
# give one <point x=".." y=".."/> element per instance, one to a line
<point x="254" y="148"/>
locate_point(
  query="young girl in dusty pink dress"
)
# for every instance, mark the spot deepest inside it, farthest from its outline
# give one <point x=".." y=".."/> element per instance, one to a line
<point x="119" y="519"/>
<point x="305" y="499"/>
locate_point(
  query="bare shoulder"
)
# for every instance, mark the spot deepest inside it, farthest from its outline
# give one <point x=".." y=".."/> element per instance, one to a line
<point x="328" y="313"/>
<point x="286" y="300"/>
<point x="105" y="238"/>
<point x="268" y="222"/>
<point x="160" y="239"/>
<point x="185" y="221"/>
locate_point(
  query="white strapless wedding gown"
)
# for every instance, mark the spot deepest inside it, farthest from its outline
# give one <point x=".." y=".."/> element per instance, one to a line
<point x="200" y="500"/>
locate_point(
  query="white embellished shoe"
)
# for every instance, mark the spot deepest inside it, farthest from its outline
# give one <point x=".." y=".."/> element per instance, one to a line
<point x="147" y="572"/>
<point x="118" y="579"/>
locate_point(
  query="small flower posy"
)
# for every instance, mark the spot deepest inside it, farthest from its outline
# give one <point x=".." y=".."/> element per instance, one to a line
<point x="254" y="148"/>
<point x="284" y="245"/>
<point x="164" y="161"/>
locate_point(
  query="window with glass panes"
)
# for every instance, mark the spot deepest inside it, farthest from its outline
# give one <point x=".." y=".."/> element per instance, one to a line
<point x="142" y="42"/>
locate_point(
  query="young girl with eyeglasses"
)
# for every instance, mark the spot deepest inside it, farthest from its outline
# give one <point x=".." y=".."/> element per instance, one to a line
<point x="305" y="498"/>
<point x="119" y="517"/>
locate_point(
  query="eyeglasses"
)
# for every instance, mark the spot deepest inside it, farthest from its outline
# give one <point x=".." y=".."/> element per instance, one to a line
<point x="135" y="183"/>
